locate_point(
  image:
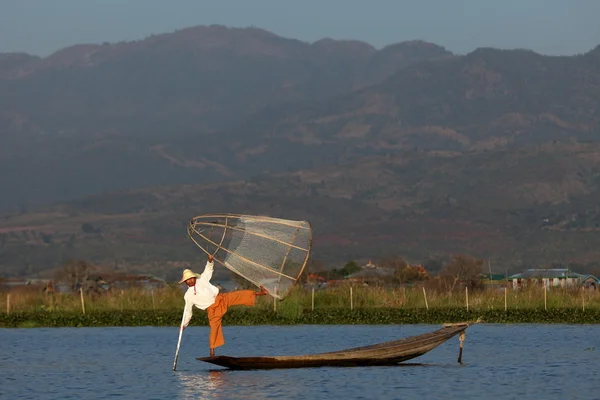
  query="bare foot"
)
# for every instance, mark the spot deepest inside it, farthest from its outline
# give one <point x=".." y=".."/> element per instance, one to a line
<point x="212" y="352"/>
<point x="262" y="292"/>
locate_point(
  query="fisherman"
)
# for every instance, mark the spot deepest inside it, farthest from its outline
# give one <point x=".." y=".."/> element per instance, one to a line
<point x="202" y="294"/>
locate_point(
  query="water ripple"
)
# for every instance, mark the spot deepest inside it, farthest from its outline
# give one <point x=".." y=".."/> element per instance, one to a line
<point x="500" y="361"/>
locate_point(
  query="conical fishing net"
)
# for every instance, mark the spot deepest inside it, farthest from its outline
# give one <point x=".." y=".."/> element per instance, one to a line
<point x="266" y="251"/>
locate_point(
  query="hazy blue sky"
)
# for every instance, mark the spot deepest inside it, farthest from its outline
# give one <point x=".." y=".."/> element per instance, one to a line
<point x="546" y="26"/>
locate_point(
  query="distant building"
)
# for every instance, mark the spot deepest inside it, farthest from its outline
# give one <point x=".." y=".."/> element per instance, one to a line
<point x="369" y="265"/>
<point x="23" y="284"/>
<point x="554" y="277"/>
<point x="590" y="282"/>
<point x="315" y="281"/>
<point x="493" y="281"/>
<point x="127" y="281"/>
<point x="371" y="276"/>
<point x="11" y="282"/>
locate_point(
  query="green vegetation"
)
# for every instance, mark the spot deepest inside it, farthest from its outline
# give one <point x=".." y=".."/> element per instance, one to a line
<point x="332" y="306"/>
<point x="331" y="316"/>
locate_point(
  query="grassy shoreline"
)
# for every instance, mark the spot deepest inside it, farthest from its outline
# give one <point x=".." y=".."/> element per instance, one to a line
<point x="332" y="316"/>
<point x="366" y="305"/>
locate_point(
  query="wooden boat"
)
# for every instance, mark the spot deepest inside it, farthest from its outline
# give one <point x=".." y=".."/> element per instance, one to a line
<point x="388" y="353"/>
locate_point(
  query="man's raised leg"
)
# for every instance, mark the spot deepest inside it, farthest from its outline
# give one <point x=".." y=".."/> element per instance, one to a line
<point x="243" y="297"/>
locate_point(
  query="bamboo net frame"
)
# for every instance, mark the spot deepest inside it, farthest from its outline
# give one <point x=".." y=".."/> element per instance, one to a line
<point x="235" y="224"/>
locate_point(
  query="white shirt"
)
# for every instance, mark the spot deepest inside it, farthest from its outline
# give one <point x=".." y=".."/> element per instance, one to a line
<point x="201" y="295"/>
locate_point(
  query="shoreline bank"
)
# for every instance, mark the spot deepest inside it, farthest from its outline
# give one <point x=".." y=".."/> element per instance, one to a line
<point x="331" y="316"/>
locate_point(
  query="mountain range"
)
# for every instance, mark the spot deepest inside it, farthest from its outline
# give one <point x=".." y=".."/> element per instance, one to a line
<point x="110" y="149"/>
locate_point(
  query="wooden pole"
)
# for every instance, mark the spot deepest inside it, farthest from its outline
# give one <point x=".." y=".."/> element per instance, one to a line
<point x="8" y="303"/>
<point x="425" y="296"/>
<point x="467" y="297"/>
<point x="82" y="302"/>
<point x="545" y="298"/>
<point x="351" y="304"/>
<point x="152" y="295"/>
<point x="274" y="304"/>
<point x="179" y="341"/>
<point x="583" y="299"/>
<point x="461" y="338"/>
<point x="505" y="302"/>
<point x="313" y="299"/>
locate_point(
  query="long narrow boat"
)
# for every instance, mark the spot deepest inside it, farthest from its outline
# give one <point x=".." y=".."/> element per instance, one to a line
<point x="388" y="353"/>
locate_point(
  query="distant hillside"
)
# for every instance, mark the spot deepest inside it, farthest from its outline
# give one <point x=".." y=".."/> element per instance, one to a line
<point x="12" y="64"/>
<point x="487" y="99"/>
<point x="92" y="118"/>
<point x="535" y="206"/>
<point x="407" y="150"/>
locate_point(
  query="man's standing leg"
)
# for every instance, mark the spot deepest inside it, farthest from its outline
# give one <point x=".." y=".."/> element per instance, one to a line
<point x="215" y="316"/>
<point x="219" y="309"/>
<point x="216" y="312"/>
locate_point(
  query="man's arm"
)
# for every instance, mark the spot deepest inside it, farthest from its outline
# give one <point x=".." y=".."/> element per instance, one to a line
<point x="208" y="269"/>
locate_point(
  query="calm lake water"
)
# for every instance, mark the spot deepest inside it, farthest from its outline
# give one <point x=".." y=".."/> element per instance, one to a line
<point x="499" y="361"/>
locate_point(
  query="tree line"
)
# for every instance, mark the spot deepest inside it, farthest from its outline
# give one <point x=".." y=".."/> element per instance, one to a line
<point x="459" y="270"/>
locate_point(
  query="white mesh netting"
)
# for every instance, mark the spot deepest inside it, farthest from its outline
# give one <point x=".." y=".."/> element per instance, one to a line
<point x="266" y="251"/>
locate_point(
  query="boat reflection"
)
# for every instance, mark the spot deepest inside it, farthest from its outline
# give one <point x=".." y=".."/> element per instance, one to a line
<point x="227" y="384"/>
<point x="203" y="385"/>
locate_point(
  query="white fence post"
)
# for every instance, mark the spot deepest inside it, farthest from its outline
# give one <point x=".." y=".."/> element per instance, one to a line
<point x="82" y="302"/>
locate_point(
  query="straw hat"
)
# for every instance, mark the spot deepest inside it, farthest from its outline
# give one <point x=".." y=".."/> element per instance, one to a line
<point x="187" y="274"/>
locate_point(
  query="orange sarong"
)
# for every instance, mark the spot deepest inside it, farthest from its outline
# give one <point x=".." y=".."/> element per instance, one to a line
<point x="218" y="309"/>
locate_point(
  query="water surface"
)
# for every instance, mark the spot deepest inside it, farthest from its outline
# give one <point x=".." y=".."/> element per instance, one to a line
<point x="499" y="361"/>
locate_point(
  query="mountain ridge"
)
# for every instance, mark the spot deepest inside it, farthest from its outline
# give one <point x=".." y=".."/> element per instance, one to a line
<point x="91" y="103"/>
<point x="408" y="149"/>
